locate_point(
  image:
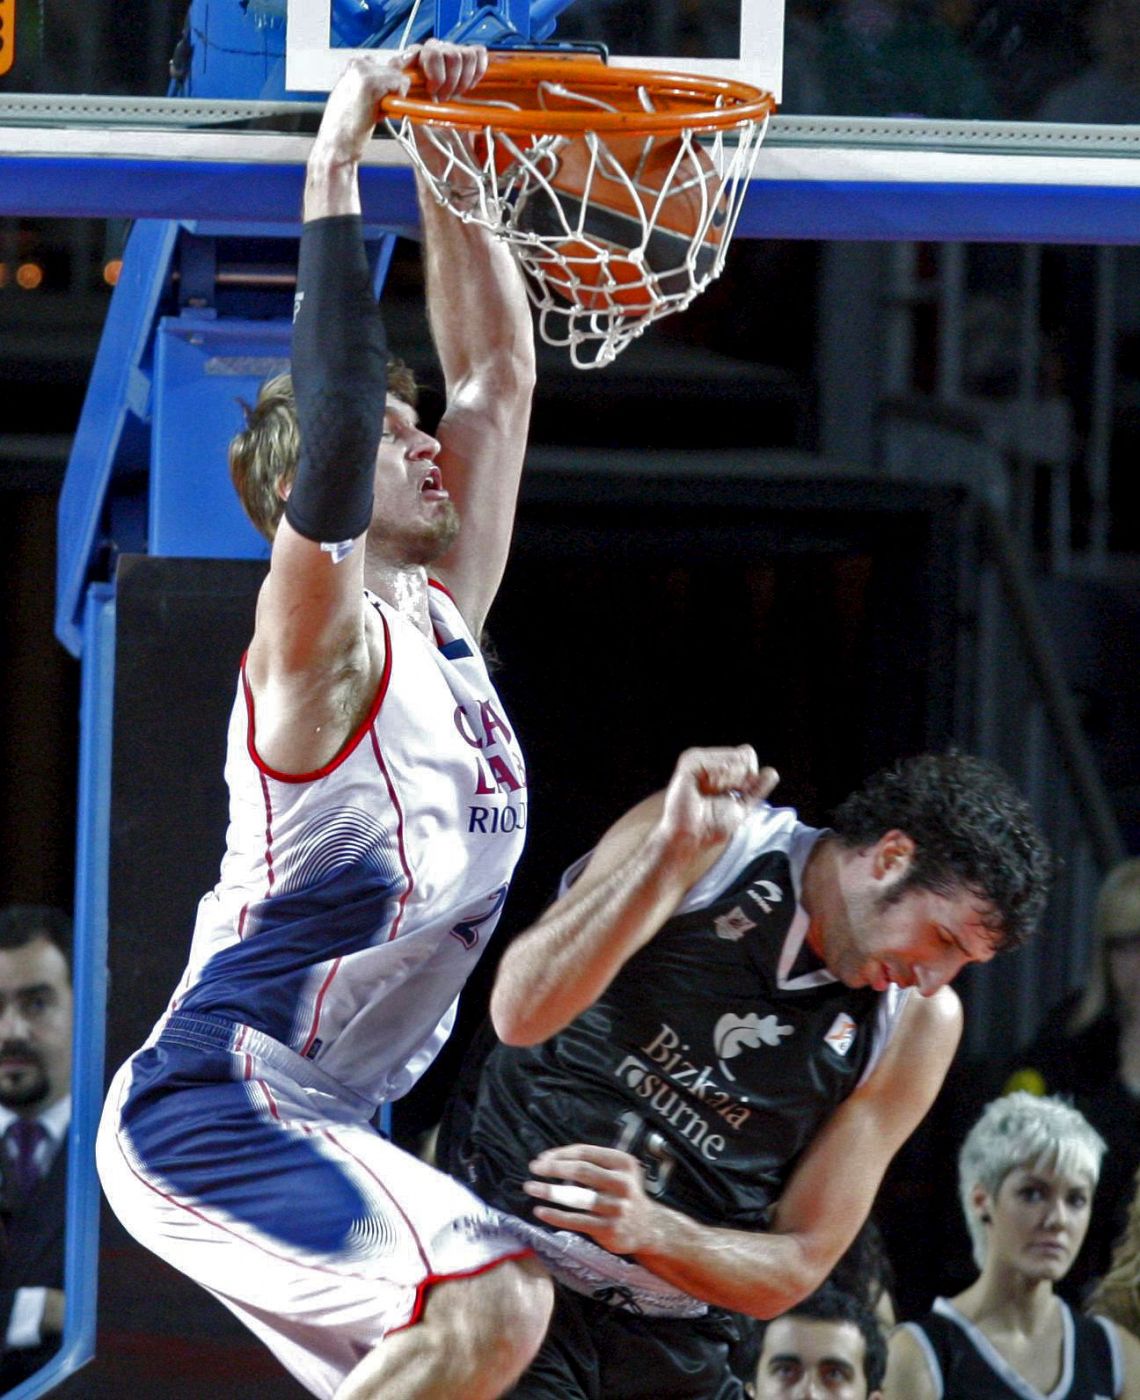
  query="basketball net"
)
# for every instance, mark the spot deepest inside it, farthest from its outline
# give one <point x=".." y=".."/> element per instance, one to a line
<point x="618" y="212"/>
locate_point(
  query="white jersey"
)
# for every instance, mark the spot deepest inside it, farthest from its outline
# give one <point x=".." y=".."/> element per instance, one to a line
<point x="354" y="901"/>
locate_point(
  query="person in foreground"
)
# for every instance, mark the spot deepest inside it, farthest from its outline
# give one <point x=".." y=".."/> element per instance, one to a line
<point x="712" y="1051"/>
<point x="377" y="807"/>
<point x="1027" y="1173"/>
<point x="829" y="1347"/>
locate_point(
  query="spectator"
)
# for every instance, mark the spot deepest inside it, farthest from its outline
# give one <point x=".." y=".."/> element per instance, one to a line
<point x="829" y="1345"/>
<point x="1026" y="1175"/>
<point x="898" y="58"/>
<point x="1108" y="90"/>
<point x="1117" y="1295"/>
<point x="1088" y="1048"/>
<point x="35" y="1110"/>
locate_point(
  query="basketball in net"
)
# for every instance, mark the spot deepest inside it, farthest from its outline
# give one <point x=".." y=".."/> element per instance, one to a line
<point x="625" y="222"/>
<point x="617" y="190"/>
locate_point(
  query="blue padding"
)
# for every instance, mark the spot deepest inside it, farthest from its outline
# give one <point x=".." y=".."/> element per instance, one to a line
<point x="203" y="369"/>
<point x="117" y="398"/>
<point x="222" y="190"/>
<point x="983" y="213"/>
<point x="89" y="976"/>
<point x="106" y="187"/>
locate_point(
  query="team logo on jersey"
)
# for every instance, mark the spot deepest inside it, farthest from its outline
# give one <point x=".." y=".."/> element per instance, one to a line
<point x="734" y="1034"/>
<point x="841" y="1036"/>
<point x="733" y="925"/>
<point x="765" y="894"/>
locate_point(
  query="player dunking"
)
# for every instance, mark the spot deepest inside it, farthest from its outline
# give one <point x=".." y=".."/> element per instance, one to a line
<point x="377" y="806"/>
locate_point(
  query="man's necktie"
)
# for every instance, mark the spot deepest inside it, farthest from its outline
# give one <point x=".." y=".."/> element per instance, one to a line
<point x="22" y="1139"/>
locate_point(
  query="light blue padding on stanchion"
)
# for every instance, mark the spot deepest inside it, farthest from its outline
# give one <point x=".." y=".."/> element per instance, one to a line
<point x="89" y="978"/>
<point x="203" y="369"/>
<point x="112" y="433"/>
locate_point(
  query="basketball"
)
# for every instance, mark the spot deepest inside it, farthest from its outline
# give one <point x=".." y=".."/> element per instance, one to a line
<point x="626" y="222"/>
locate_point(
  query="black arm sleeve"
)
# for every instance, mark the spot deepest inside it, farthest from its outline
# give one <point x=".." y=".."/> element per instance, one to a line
<point x="340" y="381"/>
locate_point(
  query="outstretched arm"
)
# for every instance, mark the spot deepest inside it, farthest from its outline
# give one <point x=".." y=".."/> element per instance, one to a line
<point x="481" y="323"/>
<point x="821" y="1210"/>
<point x="312" y="664"/>
<point x="638" y="875"/>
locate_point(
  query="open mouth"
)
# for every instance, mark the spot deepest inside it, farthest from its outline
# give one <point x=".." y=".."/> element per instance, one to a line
<point x="432" y="484"/>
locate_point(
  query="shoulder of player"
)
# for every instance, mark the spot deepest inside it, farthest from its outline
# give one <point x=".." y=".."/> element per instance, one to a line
<point x="1130" y="1354"/>
<point x="908" y="1371"/>
<point x="938" y="1017"/>
<point x="918" y="1053"/>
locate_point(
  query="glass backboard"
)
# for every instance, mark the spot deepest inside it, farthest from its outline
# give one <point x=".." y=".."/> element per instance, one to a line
<point x="725" y="38"/>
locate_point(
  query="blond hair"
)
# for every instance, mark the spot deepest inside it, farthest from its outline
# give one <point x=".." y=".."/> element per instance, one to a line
<point x="1117" y="1295"/>
<point x="1117" y="911"/>
<point x="263" y="456"/>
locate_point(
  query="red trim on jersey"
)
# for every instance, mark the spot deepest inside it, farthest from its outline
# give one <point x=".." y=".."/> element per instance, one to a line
<point x="353" y="740"/>
<point x="403" y="1214"/>
<point x="270" y="873"/>
<point x="325" y="985"/>
<point x="408" y="882"/>
<point x="433" y="1279"/>
<point x="440" y="641"/>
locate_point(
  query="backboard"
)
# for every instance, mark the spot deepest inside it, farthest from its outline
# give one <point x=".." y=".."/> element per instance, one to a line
<point x="740" y="39"/>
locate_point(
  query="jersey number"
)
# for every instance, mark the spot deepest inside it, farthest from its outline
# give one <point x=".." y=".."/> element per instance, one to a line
<point x="649" y="1148"/>
<point x="468" y="931"/>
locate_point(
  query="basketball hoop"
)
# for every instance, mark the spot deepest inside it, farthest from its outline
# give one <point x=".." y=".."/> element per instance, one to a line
<point x="617" y="189"/>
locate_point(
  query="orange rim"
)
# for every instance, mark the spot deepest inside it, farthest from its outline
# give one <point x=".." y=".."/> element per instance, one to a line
<point x="515" y="78"/>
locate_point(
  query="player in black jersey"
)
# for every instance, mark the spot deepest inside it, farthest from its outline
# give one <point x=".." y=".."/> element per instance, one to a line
<point x="1026" y="1173"/>
<point x="710" y="1054"/>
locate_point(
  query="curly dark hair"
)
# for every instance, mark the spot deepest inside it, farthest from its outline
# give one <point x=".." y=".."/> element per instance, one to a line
<point x="970" y="828"/>
<point x="831" y="1304"/>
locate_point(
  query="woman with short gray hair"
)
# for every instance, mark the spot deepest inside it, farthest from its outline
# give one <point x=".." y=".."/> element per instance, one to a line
<point x="1027" y="1172"/>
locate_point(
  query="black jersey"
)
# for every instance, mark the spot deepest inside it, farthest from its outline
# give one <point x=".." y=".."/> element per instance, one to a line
<point x="965" y="1365"/>
<point x="714" y="1055"/>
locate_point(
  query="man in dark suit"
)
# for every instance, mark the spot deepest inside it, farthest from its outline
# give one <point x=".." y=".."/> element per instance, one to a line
<point x="35" y="1110"/>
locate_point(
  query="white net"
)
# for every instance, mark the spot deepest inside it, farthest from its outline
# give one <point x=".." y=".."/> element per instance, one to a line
<point x="614" y="231"/>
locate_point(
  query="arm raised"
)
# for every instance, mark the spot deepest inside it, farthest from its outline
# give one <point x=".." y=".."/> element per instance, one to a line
<point x="481" y="324"/>
<point x="641" y="870"/>
<point x="312" y="664"/>
<point x="821" y="1210"/>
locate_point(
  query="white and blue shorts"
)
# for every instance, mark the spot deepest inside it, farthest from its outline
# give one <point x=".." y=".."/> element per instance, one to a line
<point x="243" y="1166"/>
